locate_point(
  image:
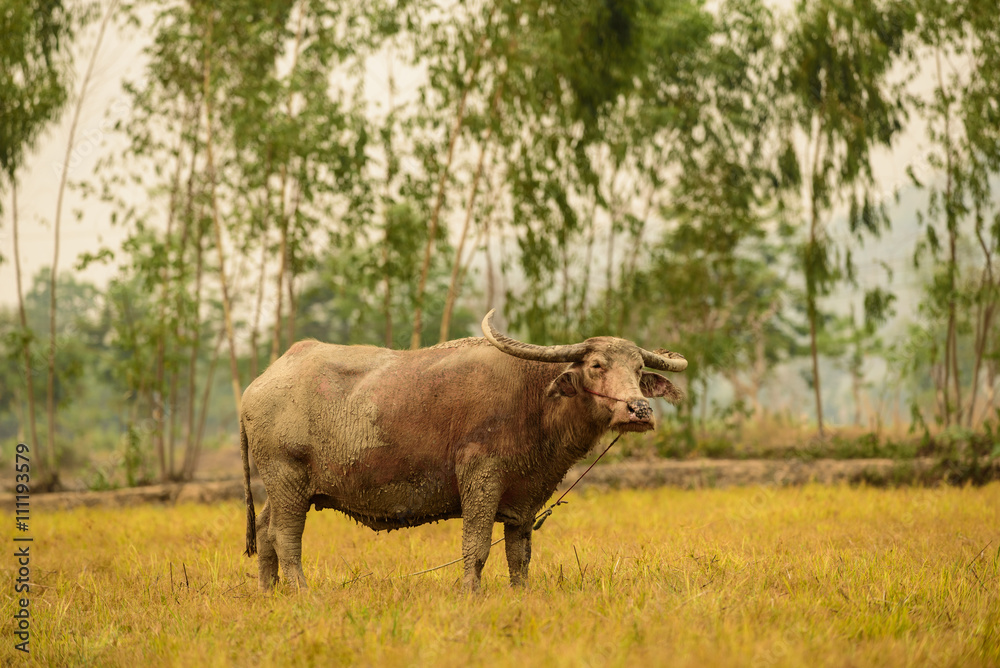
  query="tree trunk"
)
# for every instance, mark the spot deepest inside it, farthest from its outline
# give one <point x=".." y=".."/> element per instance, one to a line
<point x="217" y="225"/>
<point x="588" y="259"/>
<point x="181" y="279"/>
<point x="29" y="374"/>
<point x="283" y="251"/>
<point x="290" y="280"/>
<point x="629" y="269"/>
<point x="288" y="266"/>
<point x="950" y="347"/>
<point x="439" y="199"/>
<point x="49" y="460"/>
<point x="951" y="339"/>
<point x="386" y="195"/>
<point x="490" y="278"/>
<point x="290" y="322"/>
<point x="433" y="226"/>
<point x="189" y="429"/>
<point x="453" y="285"/>
<point x="812" y="287"/>
<point x="387" y="279"/>
<point x="984" y="316"/>
<point x="166" y="468"/>
<point x="255" y="330"/>
<point x="192" y="220"/>
<point x="610" y="273"/>
<point x="206" y="395"/>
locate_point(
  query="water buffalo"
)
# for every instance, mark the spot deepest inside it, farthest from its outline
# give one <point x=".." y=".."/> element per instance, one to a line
<point x="478" y="428"/>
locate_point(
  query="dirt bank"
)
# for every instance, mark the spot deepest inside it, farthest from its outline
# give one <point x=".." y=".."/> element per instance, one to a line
<point x="691" y="474"/>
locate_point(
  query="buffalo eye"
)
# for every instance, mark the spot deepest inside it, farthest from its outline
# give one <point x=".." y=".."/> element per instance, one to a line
<point x="595" y="365"/>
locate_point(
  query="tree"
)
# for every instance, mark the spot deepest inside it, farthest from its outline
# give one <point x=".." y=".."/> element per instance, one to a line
<point x="838" y="103"/>
<point x="34" y="75"/>
<point x="961" y="119"/>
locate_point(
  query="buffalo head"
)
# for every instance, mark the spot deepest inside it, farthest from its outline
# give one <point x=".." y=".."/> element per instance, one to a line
<point x="604" y="372"/>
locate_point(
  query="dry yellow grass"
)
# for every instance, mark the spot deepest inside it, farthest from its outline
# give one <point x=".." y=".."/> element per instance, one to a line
<point x="818" y="576"/>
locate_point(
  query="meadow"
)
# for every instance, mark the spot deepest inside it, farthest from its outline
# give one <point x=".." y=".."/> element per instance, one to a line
<point x="814" y="575"/>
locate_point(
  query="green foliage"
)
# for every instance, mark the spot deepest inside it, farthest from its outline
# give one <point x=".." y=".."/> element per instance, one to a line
<point x="33" y="74"/>
<point x="76" y="339"/>
<point x="838" y="104"/>
<point x="660" y="170"/>
<point x="962" y="293"/>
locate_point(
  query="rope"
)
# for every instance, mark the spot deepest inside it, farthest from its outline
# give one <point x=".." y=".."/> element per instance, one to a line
<point x="539" y="519"/>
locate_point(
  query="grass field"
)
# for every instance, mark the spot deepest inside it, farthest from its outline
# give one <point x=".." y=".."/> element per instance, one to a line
<point x="818" y="576"/>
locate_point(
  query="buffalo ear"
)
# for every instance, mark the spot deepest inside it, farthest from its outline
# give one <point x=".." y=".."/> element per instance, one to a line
<point x="565" y="385"/>
<point x="655" y="385"/>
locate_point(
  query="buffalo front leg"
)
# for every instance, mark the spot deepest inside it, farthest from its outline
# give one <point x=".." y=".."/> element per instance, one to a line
<point x="517" y="542"/>
<point x="480" y="492"/>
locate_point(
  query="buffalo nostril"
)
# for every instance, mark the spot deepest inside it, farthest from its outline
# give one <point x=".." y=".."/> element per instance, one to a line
<point x="640" y="409"/>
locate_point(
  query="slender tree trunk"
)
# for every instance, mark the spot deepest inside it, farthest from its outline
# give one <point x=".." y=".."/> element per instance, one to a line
<point x="189" y="430"/>
<point x="984" y="315"/>
<point x="630" y="267"/>
<point x="181" y="280"/>
<point x="588" y="259"/>
<point x="453" y="285"/>
<point x="206" y="395"/>
<point x="283" y="252"/>
<point x="566" y="287"/>
<point x="192" y="229"/>
<point x="50" y="452"/>
<point x="217" y="225"/>
<point x="433" y="226"/>
<point x="284" y="249"/>
<point x="386" y="195"/>
<point x="610" y="272"/>
<point x="264" y="206"/>
<point x="950" y="347"/>
<point x="255" y="330"/>
<point x="166" y="467"/>
<point x="29" y="374"/>
<point x="490" y="277"/>
<point x="442" y="180"/>
<point x="387" y="279"/>
<point x="812" y="288"/>
<point x="171" y="437"/>
<point x="991" y="383"/>
<point x="290" y="280"/>
<point x="292" y="300"/>
<point x="951" y="340"/>
<point x="856" y="381"/>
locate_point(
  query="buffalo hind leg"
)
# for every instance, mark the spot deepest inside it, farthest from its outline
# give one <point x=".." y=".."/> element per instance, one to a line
<point x="517" y="542"/>
<point x="267" y="558"/>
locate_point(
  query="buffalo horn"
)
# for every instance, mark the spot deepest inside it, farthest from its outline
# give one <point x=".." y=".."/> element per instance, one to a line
<point x="529" y="351"/>
<point x="663" y="360"/>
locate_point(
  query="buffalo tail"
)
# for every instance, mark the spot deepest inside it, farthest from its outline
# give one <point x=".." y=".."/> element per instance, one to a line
<point x="251" y="513"/>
